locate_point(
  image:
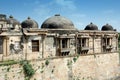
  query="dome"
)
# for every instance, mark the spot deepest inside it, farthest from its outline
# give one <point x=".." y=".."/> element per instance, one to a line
<point x="12" y="21"/>
<point x="29" y="23"/>
<point x="91" y="26"/>
<point x="2" y="17"/>
<point x="57" y="22"/>
<point x="107" y="27"/>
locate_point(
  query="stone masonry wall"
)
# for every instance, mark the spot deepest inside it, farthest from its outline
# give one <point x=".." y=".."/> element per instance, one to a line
<point x="89" y="67"/>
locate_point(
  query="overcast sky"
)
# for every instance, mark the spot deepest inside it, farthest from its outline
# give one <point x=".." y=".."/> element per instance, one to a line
<point x="80" y="12"/>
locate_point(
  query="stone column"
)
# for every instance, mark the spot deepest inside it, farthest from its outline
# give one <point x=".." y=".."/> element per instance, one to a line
<point x="110" y="41"/>
<point x="1" y="45"/>
<point x="106" y="42"/>
<point x="4" y="47"/>
<point x="93" y="44"/>
<point x="43" y="45"/>
<point x="68" y="43"/>
<point x="102" y="44"/>
<point x="60" y="43"/>
<point x="26" y="49"/>
<point x="76" y="44"/>
<point x="117" y="49"/>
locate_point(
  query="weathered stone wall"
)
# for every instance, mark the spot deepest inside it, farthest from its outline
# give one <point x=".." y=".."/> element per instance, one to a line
<point x="90" y="45"/>
<point x="114" y="44"/>
<point x="97" y="44"/>
<point x="33" y="55"/>
<point x="72" y="46"/>
<point x="11" y="72"/>
<point x="94" y="45"/>
<point x="50" y="47"/>
<point x="89" y="67"/>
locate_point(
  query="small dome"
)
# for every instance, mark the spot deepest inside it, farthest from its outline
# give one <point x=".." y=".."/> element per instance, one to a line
<point x="107" y="27"/>
<point x="91" y="26"/>
<point x="29" y="23"/>
<point x="12" y="21"/>
<point x="57" y="22"/>
<point x="2" y="17"/>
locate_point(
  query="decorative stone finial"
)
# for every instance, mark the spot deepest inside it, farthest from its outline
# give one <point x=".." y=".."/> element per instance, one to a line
<point x="57" y="14"/>
<point x="28" y="18"/>
<point x="10" y="16"/>
<point x="107" y="24"/>
<point x="91" y="23"/>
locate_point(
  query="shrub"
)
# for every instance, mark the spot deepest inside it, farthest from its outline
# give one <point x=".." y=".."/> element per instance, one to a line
<point x="46" y="62"/>
<point x="74" y="59"/>
<point x="28" y="70"/>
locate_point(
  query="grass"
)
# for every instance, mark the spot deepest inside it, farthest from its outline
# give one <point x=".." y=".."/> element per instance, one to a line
<point x="8" y="62"/>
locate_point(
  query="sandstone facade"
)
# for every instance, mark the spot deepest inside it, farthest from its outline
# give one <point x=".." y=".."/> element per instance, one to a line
<point x="60" y="42"/>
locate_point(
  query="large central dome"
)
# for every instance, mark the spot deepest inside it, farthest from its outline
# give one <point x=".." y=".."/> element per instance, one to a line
<point x="57" y="22"/>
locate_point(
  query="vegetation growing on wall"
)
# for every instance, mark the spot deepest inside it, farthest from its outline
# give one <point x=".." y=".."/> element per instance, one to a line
<point x="47" y="62"/>
<point x="9" y="62"/>
<point x="75" y="58"/>
<point x="28" y="70"/>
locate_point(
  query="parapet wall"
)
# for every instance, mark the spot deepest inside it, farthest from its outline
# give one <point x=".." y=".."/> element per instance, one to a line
<point x="90" y="67"/>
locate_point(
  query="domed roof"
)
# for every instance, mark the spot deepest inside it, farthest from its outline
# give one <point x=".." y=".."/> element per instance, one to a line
<point x="91" y="26"/>
<point x="2" y="17"/>
<point x="12" y="21"/>
<point x="29" y="23"/>
<point x="57" y="22"/>
<point x="107" y="27"/>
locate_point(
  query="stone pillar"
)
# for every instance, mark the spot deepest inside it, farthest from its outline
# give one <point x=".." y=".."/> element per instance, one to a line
<point x="117" y="49"/>
<point x="102" y="44"/>
<point x="6" y="49"/>
<point x="68" y="43"/>
<point x="43" y="45"/>
<point x="106" y="41"/>
<point x="1" y="45"/>
<point x="76" y="44"/>
<point x="57" y="45"/>
<point x="25" y="41"/>
<point x="93" y="44"/>
<point x="8" y="46"/>
<point x="60" y="43"/>
<point x="110" y="41"/>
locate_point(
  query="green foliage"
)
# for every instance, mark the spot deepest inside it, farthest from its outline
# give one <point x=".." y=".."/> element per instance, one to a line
<point x="26" y="78"/>
<point x="35" y="79"/>
<point x="28" y="70"/>
<point x="75" y="59"/>
<point x="69" y="62"/>
<point x="46" y="62"/>
<point x="41" y="71"/>
<point x="8" y="69"/>
<point x="7" y="63"/>
<point x="52" y="71"/>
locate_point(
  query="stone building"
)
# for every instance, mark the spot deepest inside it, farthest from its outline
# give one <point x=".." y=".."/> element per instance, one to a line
<point x="88" y="54"/>
<point x="56" y="37"/>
